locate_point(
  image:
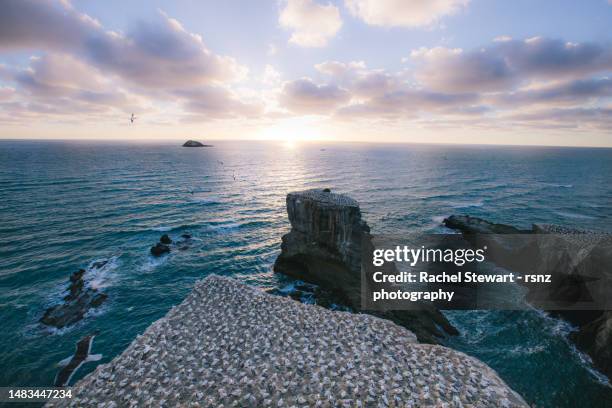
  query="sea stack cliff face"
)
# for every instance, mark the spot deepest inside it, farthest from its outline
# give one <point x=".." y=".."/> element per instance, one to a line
<point x="325" y="247"/>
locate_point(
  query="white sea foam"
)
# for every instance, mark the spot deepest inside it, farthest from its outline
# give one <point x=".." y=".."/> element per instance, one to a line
<point x="526" y="350"/>
<point x="152" y="262"/>
<point x="558" y="185"/>
<point x="205" y="198"/>
<point x="466" y="204"/>
<point x="162" y="228"/>
<point x="574" y="215"/>
<point x="103" y="276"/>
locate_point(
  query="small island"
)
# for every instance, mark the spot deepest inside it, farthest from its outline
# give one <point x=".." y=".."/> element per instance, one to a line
<point x="194" y="143"/>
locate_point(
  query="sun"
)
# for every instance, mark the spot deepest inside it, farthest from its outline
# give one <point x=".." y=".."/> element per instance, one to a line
<point x="293" y="130"/>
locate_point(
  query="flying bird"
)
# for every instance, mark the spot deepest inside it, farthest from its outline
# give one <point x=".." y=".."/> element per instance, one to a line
<point x="71" y="364"/>
<point x="132" y="118"/>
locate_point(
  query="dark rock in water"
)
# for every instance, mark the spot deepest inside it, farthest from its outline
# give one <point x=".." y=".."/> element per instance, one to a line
<point x="98" y="299"/>
<point x="184" y="243"/>
<point x="507" y="245"/>
<point x="72" y="364"/>
<point x="579" y="263"/>
<point x="165" y="239"/>
<point x="324" y="247"/>
<point x="74" y="289"/>
<point x="193" y="143"/>
<point x="475" y="225"/>
<point x="326" y="190"/>
<point x="595" y="339"/>
<point x="160" y="249"/>
<point x="78" y="301"/>
<point x="76" y="276"/>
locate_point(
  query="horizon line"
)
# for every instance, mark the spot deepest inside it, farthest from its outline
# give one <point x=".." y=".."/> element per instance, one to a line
<point x="294" y="142"/>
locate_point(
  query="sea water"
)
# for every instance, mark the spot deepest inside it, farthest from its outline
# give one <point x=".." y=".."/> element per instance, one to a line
<point x="65" y="205"/>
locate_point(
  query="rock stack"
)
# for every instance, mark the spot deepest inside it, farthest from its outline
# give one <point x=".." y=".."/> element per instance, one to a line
<point x="325" y="246"/>
<point x="77" y="302"/>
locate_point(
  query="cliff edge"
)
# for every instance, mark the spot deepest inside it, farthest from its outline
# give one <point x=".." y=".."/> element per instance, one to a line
<point x="229" y="344"/>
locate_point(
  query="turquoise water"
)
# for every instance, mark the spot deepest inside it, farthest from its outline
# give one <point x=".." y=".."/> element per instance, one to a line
<point x="64" y="205"/>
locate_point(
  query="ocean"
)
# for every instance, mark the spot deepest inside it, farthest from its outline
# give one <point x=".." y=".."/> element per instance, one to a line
<point x="67" y="204"/>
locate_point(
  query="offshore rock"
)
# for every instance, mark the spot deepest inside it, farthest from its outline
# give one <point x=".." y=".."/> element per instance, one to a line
<point x="579" y="263"/>
<point x="506" y="245"/>
<point x="160" y="249"/>
<point x="231" y="345"/>
<point x="194" y="143"/>
<point x="77" y="302"/>
<point x="325" y="247"/>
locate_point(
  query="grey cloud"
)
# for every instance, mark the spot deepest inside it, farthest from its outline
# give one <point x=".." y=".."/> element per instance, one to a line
<point x="597" y="115"/>
<point x="6" y="93"/>
<point x="216" y="102"/>
<point x="161" y="54"/>
<point x="506" y="64"/>
<point x="54" y="81"/>
<point x="304" y="96"/>
<point x="158" y="60"/>
<point x="43" y="24"/>
<point x="410" y="102"/>
<point x="571" y="92"/>
<point x="546" y="56"/>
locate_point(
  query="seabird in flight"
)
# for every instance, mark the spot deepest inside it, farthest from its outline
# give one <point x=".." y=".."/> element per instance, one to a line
<point x="71" y="364"/>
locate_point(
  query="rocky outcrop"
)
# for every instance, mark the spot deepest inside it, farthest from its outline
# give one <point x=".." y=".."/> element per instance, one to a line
<point x="160" y="249"/>
<point x="595" y="339"/>
<point x="165" y="244"/>
<point x="194" y="143"/>
<point x="231" y="345"/>
<point x="325" y="247"/>
<point x="580" y="265"/>
<point x="77" y="302"/>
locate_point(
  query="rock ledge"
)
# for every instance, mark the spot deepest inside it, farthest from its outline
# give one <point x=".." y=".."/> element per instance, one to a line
<point x="229" y="344"/>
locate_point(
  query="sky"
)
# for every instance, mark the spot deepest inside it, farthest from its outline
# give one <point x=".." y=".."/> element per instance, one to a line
<point x="426" y="71"/>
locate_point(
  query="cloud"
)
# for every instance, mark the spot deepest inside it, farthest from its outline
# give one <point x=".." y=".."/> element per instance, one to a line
<point x="354" y="75"/>
<point x="312" y="24"/>
<point x="43" y="24"/>
<point x="406" y="13"/>
<point x="304" y="96"/>
<point x="573" y="92"/>
<point x="507" y="64"/>
<point x="93" y="66"/>
<point x="6" y="93"/>
<point x="215" y="102"/>
<point x="355" y="90"/>
<point x="60" y="80"/>
<point x="409" y="103"/>
<point x="270" y="75"/>
<point x="339" y="69"/>
<point x="454" y="70"/>
<point x="599" y="118"/>
<point x="158" y="54"/>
